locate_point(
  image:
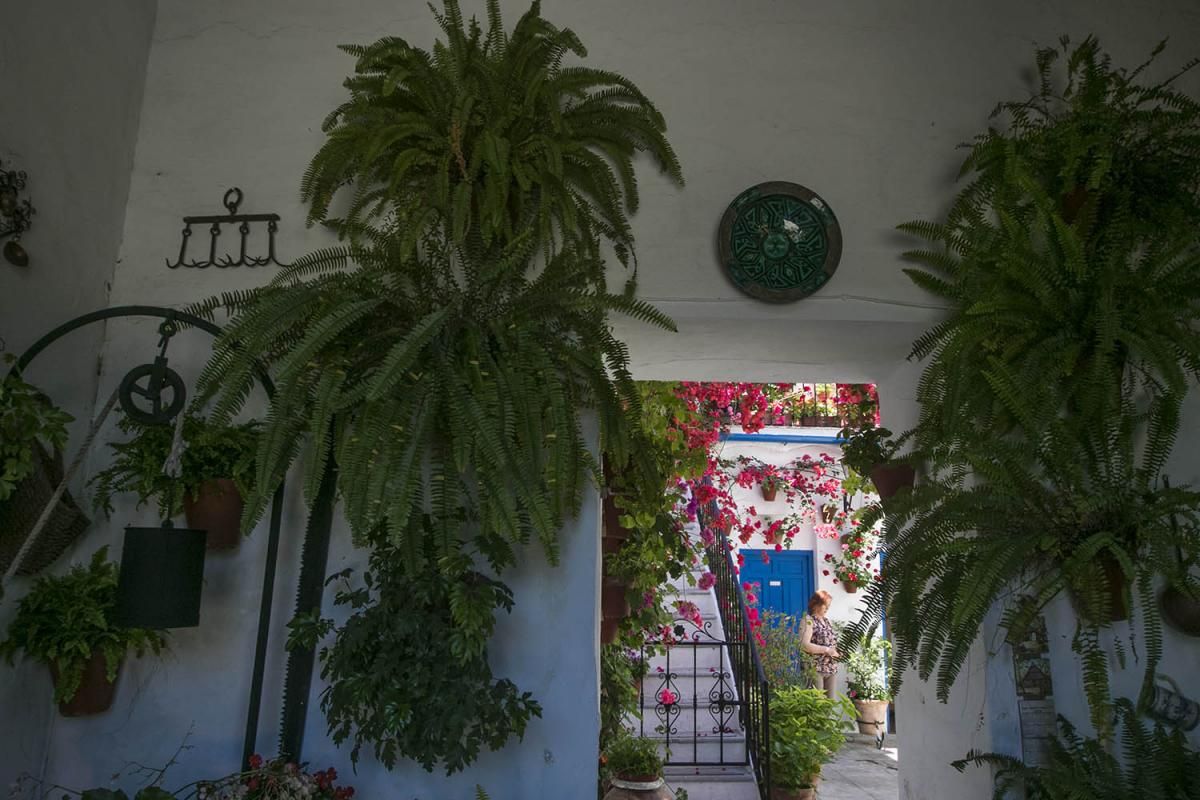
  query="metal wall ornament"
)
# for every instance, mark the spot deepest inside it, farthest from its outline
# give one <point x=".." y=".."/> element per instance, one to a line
<point x="779" y="242"/>
<point x="16" y="215"/>
<point x="232" y="201"/>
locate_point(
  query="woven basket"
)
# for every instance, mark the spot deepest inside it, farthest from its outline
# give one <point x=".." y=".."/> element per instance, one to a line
<point x="21" y="511"/>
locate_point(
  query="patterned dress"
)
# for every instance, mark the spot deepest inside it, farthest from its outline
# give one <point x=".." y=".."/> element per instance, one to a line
<point x="823" y="636"/>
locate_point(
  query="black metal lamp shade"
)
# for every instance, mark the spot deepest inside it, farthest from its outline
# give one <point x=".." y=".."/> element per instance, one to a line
<point x="162" y="574"/>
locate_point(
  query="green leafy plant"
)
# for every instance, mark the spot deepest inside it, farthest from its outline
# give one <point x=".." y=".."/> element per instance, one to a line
<point x="784" y="662"/>
<point x="633" y="757"/>
<point x="1152" y="765"/>
<point x="433" y="627"/>
<point x="807" y="730"/>
<point x="1050" y="401"/>
<point x="489" y="135"/>
<point x="622" y="669"/>
<point x="27" y="417"/>
<point x="64" y="619"/>
<point x="211" y="451"/>
<point x="866" y="447"/>
<point x="868" y="664"/>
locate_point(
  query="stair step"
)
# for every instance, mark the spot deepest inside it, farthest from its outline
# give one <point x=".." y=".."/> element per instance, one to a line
<point x="728" y="774"/>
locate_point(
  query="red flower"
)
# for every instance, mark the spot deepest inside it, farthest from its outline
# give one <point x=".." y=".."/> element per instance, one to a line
<point x="256" y="761"/>
<point x="824" y="572"/>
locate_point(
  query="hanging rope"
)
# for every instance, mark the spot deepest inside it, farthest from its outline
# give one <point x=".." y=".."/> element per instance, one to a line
<point x="31" y="540"/>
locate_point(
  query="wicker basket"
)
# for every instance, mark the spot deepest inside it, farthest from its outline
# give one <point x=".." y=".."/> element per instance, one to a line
<point x="21" y="511"/>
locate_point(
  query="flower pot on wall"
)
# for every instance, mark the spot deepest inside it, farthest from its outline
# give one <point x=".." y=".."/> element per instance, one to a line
<point x="95" y="693"/>
<point x="217" y="508"/>
<point x="872" y="716"/>
<point x="891" y="478"/>
<point x="1180" y="611"/>
<point x="769" y="491"/>
<point x="851" y="587"/>
<point x="828" y="513"/>
<point x="162" y="574"/>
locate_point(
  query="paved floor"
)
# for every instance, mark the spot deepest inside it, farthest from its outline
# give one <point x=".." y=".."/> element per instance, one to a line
<point x="860" y="772"/>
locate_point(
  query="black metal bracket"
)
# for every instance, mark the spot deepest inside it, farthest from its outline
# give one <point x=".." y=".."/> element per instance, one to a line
<point x="16" y="215"/>
<point x="232" y="201"/>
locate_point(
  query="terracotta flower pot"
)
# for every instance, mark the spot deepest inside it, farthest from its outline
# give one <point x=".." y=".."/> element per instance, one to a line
<point x="872" y="716"/>
<point x="769" y="491"/>
<point x="891" y="478"/>
<point x="1181" y="611"/>
<point x="808" y="421"/>
<point x="805" y="793"/>
<point x="95" y="693"/>
<point x="851" y="587"/>
<point x="217" y="508"/>
<point x="828" y="513"/>
<point x="613" y="601"/>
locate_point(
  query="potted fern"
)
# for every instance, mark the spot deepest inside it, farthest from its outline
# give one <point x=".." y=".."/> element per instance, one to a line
<point x="216" y="472"/>
<point x="67" y="623"/>
<point x="634" y="765"/>
<point x="32" y="434"/>
<point x="807" y="731"/>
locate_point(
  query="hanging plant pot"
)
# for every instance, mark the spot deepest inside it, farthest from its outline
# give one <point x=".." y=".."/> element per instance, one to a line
<point x="1116" y="591"/>
<point x="21" y="511"/>
<point x="1181" y="611"/>
<point x="769" y="491"/>
<point x="891" y="478"/>
<point x="162" y="574"/>
<point x="828" y="513"/>
<point x="95" y="693"/>
<point x="851" y="587"/>
<point x="216" y="508"/>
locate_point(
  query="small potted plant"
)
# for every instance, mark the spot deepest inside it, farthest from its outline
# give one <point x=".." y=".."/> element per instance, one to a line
<point x="770" y="482"/>
<point x="866" y="683"/>
<point x="807" y="730"/>
<point x="217" y="471"/>
<point x="66" y="622"/>
<point x="32" y="434"/>
<point x="871" y="451"/>
<point x="635" y="769"/>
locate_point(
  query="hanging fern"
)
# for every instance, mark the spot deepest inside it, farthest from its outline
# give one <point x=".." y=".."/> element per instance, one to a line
<point x="1051" y="397"/>
<point x="489" y="134"/>
<point x="1153" y="765"/>
<point x="437" y="383"/>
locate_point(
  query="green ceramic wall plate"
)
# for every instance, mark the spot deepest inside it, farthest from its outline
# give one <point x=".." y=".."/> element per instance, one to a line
<point x="779" y="242"/>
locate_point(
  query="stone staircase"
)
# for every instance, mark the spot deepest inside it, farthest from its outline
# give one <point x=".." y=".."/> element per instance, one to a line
<point x="704" y="745"/>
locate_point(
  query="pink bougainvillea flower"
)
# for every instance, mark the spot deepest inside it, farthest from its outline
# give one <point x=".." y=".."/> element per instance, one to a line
<point x="667" y="697"/>
<point x="707" y="581"/>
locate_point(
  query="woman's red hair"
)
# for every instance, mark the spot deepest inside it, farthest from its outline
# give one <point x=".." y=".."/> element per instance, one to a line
<point x="818" y="599"/>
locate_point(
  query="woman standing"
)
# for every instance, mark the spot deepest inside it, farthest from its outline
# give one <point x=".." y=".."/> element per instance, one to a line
<point x="819" y="640"/>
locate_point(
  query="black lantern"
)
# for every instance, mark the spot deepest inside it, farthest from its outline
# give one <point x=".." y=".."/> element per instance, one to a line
<point x="162" y="573"/>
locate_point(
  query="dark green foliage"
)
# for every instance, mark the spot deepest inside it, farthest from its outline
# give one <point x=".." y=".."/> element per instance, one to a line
<point x="866" y="447"/>
<point x="633" y="756"/>
<point x="489" y="135"/>
<point x="26" y="417"/>
<point x="1051" y="397"/>
<point x="1152" y="765"/>
<point x="621" y="673"/>
<point x="63" y="619"/>
<point x="408" y="672"/>
<point x="212" y="451"/>
<point x="783" y="659"/>
<point x="400" y="367"/>
<point x="807" y="730"/>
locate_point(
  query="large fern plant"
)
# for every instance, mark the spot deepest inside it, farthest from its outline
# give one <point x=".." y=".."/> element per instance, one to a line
<point x="1050" y="401"/>
<point x="489" y="134"/>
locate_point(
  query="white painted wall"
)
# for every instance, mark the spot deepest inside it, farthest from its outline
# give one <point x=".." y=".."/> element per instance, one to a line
<point x="863" y="101"/>
<point x="70" y="96"/>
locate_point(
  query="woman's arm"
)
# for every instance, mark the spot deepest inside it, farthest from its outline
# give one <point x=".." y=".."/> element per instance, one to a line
<point x="807" y="644"/>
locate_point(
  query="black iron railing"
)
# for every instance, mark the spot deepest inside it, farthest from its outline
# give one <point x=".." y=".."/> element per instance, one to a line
<point x="748" y="675"/>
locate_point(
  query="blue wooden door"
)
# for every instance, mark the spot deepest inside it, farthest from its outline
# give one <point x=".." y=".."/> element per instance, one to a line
<point x="785" y="582"/>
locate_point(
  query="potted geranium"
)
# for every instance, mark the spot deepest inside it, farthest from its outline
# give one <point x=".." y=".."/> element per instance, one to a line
<point x="32" y="434"/>
<point x="852" y="567"/>
<point x="66" y="622"/>
<point x="871" y="451"/>
<point x="216" y="472"/>
<point x="771" y="480"/>
<point x="807" y="730"/>
<point x="866" y="683"/>
<point x="634" y="766"/>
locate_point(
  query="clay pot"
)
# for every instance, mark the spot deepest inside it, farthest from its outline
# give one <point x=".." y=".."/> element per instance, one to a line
<point x="872" y="716"/>
<point x="613" y="601"/>
<point x="95" y="693"/>
<point x="1181" y="611"/>
<point x="809" y="421"/>
<point x="806" y="793"/>
<point x="891" y="478"/>
<point x="828" y="513"/>
<point x="769" y="492"/>
<point x="851" y="587"/>
<point x="217" y="508"/>
<point x="623" y="788"/>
